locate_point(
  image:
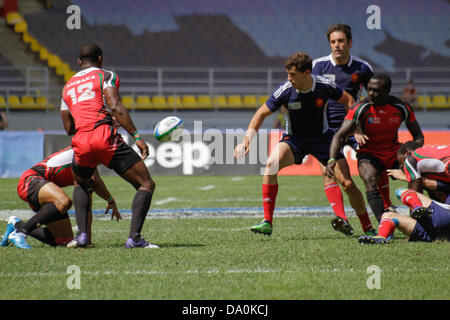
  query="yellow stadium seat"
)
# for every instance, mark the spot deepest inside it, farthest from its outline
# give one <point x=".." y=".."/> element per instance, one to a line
<point x="62" y="69"/>
<point x="143" y="102"/>
<point x="262" y="99"/>
<point x="234" y="101"/>
<point x="2" y="102"/>
<point x="35" y="46"/>
<point x="13" y="17"/>
<point x="188" y="102"/>
<point x="69" y="74"/>
<point x="26" y="38"/>
<point x="424" y="101"/>
<point x="14" y="102"/>
<point x="21" y="27"/>
<point x="28" y="102"/>
<point x="41" y="102"/>
<point x="159" y="102"/>
<point x="220" y="101"/>
<point x="204" y="102"/>
<point x="128" y="102"/>
<point x="44" y="54"/>
<point x="54" y="61"/>
<point x="250" y="101"/>
<point x="440" y="102"/>
<point x="174" y="102"/>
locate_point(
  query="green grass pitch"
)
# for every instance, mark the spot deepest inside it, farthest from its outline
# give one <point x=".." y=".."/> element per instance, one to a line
<point x="217" y="257"/>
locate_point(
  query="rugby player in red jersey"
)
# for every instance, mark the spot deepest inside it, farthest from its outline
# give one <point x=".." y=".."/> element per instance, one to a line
<point x="379" y="117"/>
<point x="425" y="167"/>
<point x="305" y="97"/>
<point x="41" y="186"/>
<point x="89" y="100"/>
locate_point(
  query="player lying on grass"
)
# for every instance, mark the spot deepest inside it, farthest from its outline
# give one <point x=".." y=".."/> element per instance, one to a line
<point x="379" y="117"/>
<point x="305" y="97"/>
<point x="41" y="186"/>
<point x="426" y="168"/>
<point x="429" y="220"/>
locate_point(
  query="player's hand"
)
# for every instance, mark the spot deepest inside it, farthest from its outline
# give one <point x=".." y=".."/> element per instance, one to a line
<point x="397" y="174"/>
<point x="360" y="137"/>
<point x="241" y="150"/>
<point x="143" y="147"/>
<point x="330" y="169"/>
<point x="115" y="211"/>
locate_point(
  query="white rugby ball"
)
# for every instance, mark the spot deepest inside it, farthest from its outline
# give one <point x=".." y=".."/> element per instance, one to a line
<point x="166" y="127"/>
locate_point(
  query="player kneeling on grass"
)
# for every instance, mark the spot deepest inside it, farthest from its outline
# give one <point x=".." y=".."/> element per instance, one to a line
<point x="41" y="186"/>
<point x="429" y="220"/>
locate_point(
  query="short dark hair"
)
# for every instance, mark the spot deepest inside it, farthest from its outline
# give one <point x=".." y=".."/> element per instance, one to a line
<point x="386" y="80"/>
<point x="90" y="52"/>
<point x="345" y="28"/>
<point x="407" y="147"/>
<point x="299" y="60"/>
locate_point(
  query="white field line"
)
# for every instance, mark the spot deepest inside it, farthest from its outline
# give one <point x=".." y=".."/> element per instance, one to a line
<point x="164" y="201"/>
<point x="210" y="271"/>
<point x="208" y="187"/>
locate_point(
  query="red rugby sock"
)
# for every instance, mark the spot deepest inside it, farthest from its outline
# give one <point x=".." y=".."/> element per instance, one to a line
<point x="334" y="196"/>
<point x="386" y="228"/>
<point x="269" y="192"/>
<point x="383" y="188"/>
<point x="365" y="221"/>
<point x="410" y="198"/>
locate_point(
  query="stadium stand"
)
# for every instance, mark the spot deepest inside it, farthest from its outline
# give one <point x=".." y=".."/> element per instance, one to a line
<point x="164" y="35"/>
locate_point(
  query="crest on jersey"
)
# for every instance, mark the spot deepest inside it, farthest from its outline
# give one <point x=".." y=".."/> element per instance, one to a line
<point x="355" y="77"/>
<point x="319" y="102"/>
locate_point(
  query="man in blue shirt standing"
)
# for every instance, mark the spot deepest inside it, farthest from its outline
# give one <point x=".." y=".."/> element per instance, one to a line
<point x="307" y="132"/>
<point x="352" y="74"/>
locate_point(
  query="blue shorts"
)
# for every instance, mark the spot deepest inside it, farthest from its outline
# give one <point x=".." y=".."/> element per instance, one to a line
<point x="319" y="147"/>
<point x="436" y="227"/>
<point x="351" y="141"/>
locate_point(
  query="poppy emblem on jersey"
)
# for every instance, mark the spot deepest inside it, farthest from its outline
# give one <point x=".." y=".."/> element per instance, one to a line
<point x="373" y="120"/>
<point x="355" y="77"/>
<point x="319" y="102"/>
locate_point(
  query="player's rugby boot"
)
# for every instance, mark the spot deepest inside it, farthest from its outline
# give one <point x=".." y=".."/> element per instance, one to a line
<point x="139" y="244"/>
<point x="372" y="240"/>
<point x="342" y="225"/>
<point x="80" y="241"/>
<point x="420" y="213"/>
<point x="263" y="227"/>
<point x="370" y="232"/>
<point x="10" y="227"/>
<point x="19" y="240"/>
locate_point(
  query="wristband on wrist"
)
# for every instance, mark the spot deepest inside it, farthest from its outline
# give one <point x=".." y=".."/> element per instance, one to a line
<point x="136" y="136"/>
<point x="110" y="199"/>
<point x="331" y="160"/>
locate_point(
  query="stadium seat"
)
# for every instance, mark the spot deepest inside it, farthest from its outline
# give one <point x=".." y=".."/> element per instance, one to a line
<point x="62" y="69"/>
<point x="13" y="17"/>
<point x="440" y="102"/>
<point x="26" y="38"/>
<point x="204" y="102"/>
<point x="35" y="46"/>
<point x="159" y="102"/>
<point x="28" y="102"/>
<point x="2" y="102"/>
<point x="188" y="102"/>
<point x="44" y="54"/>
<point x="234" y="101"/>
<point x="262" y="99"/>
<point x="143" y="102"/>
<point x="174" y="102"/>
<point x="21" y="27"/>
<point x="250" y="101"/>
<point x="41" y="103"/>
<point x="424" y="101"/>
<point x="54" y="61"/>
<point x="14" y="102"/>
<point x="128" y="102"/>
<point x="220" y="101"/>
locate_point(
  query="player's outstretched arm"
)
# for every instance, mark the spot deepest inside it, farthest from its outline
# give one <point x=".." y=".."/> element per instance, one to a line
<point x="347" y="100"/>
<point x="123" y="117"/>
<point x="102" y="191"/>
<point x="416" y="132"/>
<point x="255" y="123"/>
<point x="347" y="127"/>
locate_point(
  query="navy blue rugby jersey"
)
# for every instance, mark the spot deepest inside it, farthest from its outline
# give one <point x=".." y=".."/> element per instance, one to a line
<point x="306" y="110"/>
<point x="351" y="77"/>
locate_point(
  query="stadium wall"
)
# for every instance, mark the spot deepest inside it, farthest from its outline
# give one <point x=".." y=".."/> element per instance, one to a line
<point x="208" y="152"/>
